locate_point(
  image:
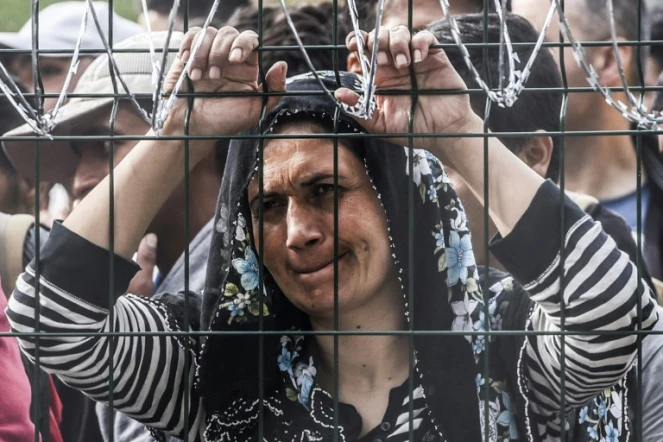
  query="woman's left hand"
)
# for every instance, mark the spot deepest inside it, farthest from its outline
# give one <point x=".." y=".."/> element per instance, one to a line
<point x="435" y="113"/>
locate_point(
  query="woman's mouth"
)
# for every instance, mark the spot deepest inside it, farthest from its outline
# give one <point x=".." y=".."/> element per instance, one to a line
<point x="319" y="271"/>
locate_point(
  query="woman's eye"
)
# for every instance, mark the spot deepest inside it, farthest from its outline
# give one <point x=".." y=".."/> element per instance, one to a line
<point x="270" y="204"/>
<point x="325" y="189"/>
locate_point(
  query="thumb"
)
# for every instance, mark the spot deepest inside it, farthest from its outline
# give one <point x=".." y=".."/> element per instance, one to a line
<point x="147" y="252"/>
<point x="173" y="75"/>
<point x="142" y="284"/>
<point x="351" y="98"/>
<point x="275" y="80"/>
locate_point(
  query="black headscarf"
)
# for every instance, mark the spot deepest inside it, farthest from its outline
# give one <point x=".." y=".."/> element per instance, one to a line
<point x="446" y="296"/>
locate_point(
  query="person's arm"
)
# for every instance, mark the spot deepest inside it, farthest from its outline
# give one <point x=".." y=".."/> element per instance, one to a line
<point x="73" y="293"/>
<point x="602" y="291"/>
<point x="510" y="193"/>
<point x="601" y="295"/>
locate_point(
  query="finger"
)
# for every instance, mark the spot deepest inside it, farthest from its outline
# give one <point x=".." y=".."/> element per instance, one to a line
<point x="382" y="35"/>
<point x="218" y="56"/>
<point x="199" y="63"/>
<point x="147" y="252"/>
<point x="347" y="96"/>
<point x="399" y="46"/>
<point x="243" y="47"/>
<point x="421" y="45"/>
<point x="143" y="284"/>
<point x="352" y="42"/>
<point x="185" y="45"/>
<point x="275" y="79"/>
<point x="351" y="98"/>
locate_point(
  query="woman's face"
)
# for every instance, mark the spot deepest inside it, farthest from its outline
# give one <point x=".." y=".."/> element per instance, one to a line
<point x="298" y="232"/>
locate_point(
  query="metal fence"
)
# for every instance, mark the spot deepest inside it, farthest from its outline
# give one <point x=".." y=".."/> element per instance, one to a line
<point x="41" y="144"/>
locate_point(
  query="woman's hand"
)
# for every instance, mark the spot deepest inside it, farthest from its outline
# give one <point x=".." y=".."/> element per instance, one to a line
<point x="435" y="113"/>
<point x="226" y="62"/>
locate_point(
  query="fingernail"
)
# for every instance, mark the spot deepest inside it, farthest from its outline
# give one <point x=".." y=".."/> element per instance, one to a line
<point x="383" y="58"/>
<point x="196" y="74"/>
<point x="214" y="72"/>
<point x="417" y="55"/>
<point x="185" y="56"/>
<point x="151" y="240"/>
<point x="352" y="40"/>
<point x="236" y="54"/>
<point x="401" y="60"/>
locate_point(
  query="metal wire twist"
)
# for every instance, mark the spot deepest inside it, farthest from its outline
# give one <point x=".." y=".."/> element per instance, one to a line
<point x="637" y="113"/>
<point x="505" y="95"/>
<point x="366" y="105"/>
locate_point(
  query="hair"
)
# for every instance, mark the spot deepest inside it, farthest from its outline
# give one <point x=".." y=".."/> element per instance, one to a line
<point x="367" y="10"/>
<point x="596" y="24"/>
<point x="314" y="25"/>
<point x="198" y="9"/>
<point x="534" y="110"/>
<point x="656" y="22"/>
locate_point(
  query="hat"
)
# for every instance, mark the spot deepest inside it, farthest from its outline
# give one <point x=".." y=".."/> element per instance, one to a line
<point x="57" y="160"/>
<point x="59" y="26"/>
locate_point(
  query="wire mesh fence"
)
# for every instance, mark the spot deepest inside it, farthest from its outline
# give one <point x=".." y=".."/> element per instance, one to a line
<point x="538" y="334"/>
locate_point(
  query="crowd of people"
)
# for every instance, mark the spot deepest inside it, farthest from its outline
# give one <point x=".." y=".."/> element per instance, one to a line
<point x="535" y="313"/>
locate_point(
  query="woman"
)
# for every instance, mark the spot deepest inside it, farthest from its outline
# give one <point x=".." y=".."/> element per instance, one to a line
<point x="392" y="275"/>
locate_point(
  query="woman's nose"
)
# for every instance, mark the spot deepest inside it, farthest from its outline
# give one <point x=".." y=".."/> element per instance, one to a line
<point x="304" y="227"/>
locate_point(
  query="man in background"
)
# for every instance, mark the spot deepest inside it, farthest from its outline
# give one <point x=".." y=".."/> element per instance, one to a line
<point x="18" y="243"/>
<point x="159" y="10"/>
<point x="604" y="165"/>
<point x="59" y="26"/>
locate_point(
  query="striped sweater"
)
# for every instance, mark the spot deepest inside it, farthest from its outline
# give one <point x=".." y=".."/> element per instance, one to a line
<point x="601" y="293"/>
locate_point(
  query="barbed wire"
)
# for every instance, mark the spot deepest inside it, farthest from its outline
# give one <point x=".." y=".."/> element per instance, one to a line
<point x="512" y="81"/>
<point x="505" y="95"/>
<point x="637" y="113"/>
<point x="366" y="105"/>
<point x="43" y="125"/>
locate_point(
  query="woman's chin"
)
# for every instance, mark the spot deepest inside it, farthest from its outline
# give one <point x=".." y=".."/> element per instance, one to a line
<point x="320" y="304"/>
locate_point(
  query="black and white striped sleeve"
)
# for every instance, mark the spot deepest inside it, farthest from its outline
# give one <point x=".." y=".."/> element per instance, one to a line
<point x="149" y="371"/>
<point x="592" y="288"/>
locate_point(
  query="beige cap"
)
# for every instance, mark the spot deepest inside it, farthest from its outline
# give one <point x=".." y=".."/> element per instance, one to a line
<point x="58" y="161"/>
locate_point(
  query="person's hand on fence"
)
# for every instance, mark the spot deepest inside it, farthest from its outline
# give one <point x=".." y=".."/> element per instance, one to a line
<point x="435" y="113"/>
<point x="143" y="283"/>
<point x="226" y="62"/>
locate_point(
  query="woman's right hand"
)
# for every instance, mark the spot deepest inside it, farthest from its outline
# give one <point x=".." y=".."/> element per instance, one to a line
<point x="226" y="62"/>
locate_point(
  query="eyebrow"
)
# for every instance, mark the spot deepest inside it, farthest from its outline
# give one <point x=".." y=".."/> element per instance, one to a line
<point x="311" y="181"/>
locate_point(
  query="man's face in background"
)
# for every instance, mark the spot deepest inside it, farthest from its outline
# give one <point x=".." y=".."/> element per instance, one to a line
<point x="53" y="74"/>
<point x="582" y="105"/>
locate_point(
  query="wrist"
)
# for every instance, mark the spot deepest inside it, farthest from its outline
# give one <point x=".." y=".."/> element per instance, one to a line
<point x="454" y="150"/>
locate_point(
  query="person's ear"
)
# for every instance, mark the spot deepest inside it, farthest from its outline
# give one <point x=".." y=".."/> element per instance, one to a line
<point x="26" y="195"/>
<point x="354" y="65"/>
<point x="537" y="153"/>
<point x="604" y="61"/>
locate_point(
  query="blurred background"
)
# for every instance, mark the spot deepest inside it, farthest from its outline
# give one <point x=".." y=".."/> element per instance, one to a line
<point x="14" y="13"/>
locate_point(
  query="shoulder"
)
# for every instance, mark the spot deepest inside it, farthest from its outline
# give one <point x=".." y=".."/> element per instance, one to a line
<point x="507" y="298"/>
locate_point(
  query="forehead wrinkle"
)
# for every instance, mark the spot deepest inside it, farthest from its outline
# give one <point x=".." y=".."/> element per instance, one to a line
<point x="297" y="161"/>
